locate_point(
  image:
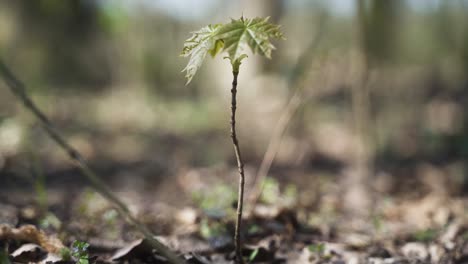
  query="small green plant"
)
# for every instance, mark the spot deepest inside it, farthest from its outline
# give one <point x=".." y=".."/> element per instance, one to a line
<point x="80" y="252"/>
<point x="211" y="229"/>
<point x="254" y="229"/>
<point x="318" y="249"/>
<point x="217" y="201"/>
<point x="65" y="254"/>
<point x="235" y="38"/>
<point x="50" y="220"/>
<point x="426" y="235"/>
<point x="319" y="253"/>
<point x="253" y="255"/>
<point x="271" y="193"/>
<point x="377" y="222"/>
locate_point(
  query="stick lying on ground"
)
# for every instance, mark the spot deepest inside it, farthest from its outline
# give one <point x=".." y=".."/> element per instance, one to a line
<point x="19" y="90"/>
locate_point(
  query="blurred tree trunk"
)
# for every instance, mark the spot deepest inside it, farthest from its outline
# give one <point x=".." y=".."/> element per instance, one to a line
<point x="463" y="50"/>
<point x="62" y="37"/>
<point x="376" y="28"/>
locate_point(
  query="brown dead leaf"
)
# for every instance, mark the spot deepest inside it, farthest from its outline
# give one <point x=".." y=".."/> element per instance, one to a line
<point x="30" y="233"/>
<point x="136" y="247"/>
<point x="28" y="253"/>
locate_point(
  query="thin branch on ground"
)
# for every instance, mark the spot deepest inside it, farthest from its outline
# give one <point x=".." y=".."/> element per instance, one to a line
<point x="19" y="90"/>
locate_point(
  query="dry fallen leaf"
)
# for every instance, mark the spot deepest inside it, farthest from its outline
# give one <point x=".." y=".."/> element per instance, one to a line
<point x="28" y="253"/>
<point x="30" y="233"/>
<point x="133" y="248"/>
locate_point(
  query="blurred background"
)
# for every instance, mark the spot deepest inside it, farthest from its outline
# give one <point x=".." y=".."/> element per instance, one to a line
<point x="361" y="107"/>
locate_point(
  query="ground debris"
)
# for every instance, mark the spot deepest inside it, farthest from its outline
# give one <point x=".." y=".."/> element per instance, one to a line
<point x="30" y="233"/>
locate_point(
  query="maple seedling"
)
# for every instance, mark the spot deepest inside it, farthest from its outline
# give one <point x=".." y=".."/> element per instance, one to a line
<point x="235" y="38"/>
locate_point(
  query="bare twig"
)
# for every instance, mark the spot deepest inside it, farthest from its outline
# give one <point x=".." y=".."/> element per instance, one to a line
<point x="240" y="166"/>
<point x="19" y="90"/>
<point x="294" y="103"/>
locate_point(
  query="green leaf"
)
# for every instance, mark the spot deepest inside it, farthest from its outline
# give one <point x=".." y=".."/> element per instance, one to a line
<point x="79" y="251"/>
<point x="219" y="44"/>
<point x="201" y="42"/>
<point x="237" y="62"/>
<point x="235" y="38"/>
<point x="65" y="254"/>
<point x="426" y="235"/>
<point x="254" y="33"/>
<point x="253" y="255"/>
<point x="317" y="248"/>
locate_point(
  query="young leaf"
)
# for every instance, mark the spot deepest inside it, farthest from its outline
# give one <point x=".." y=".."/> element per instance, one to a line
<point x="201" y="42"/>
<point x="243" y="33"/>
<point x="237" y="62"/>
<point x="79" y="251"/>
<point x="235" y="38"/>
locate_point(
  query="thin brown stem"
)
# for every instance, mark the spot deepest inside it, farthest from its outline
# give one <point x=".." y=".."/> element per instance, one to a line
<point x="240" y="166"/>
<point x="19" y="90"/>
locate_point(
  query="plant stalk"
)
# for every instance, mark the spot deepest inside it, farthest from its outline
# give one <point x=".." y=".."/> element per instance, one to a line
<point x="19" y="90"/>
<point x="240" y="166"/>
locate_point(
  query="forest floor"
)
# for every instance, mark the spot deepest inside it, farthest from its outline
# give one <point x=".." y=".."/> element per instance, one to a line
<point x="64" y="221"/>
